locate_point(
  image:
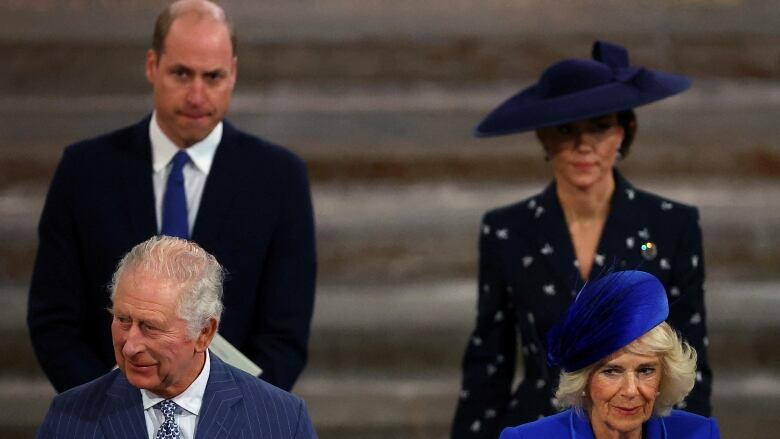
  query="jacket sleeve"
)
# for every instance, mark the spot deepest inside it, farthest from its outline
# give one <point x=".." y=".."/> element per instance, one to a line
<point x="305" y="429"/>
<point x="489" y="360"/>
<point x="56" y="312"/>
<point x="285" y="303"/>
<point x="714" y="429"/>
<point x="687" y="313"/>
<point x="47" y="429"/>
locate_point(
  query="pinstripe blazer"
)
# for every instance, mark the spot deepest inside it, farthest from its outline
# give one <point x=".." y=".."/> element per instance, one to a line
<point x="235" y="405"/>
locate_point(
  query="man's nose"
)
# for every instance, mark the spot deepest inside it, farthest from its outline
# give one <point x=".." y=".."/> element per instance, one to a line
<point x="196" y="92"/>
<point x="134" y="342"/>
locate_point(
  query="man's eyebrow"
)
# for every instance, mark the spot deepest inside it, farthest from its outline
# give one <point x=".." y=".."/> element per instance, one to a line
<point x="175" y="67"/>
<point x="217" y="71"/>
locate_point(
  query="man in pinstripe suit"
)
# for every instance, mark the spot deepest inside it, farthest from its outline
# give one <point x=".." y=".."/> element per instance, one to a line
<point x="166" y="297"/>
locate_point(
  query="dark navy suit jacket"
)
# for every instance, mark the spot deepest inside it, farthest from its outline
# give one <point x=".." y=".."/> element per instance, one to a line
<point x="528" y="278"/>
<point x="235" y="405"/>
<point x="568" y="425"/>
<point x="255" y="217"/>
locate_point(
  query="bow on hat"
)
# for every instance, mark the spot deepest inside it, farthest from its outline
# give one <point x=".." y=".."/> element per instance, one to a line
<point x="616" y="57"/>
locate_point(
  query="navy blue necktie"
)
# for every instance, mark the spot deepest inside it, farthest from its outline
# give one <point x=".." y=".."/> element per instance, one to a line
<point x="169" y="428"/>
<point x="174" y="211"/>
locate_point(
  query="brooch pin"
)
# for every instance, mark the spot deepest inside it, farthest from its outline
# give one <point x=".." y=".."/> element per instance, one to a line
<point x="649" y="251"/>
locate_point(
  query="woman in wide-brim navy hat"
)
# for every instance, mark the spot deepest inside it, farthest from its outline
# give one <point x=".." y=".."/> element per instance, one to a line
<point x="535" y="254"/>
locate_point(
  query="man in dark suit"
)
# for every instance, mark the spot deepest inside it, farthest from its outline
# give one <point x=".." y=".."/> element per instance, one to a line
<point x="166" y="305"/>
<point x="242" y="199"/>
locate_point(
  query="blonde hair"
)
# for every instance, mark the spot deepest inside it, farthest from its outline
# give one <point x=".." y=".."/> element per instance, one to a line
<point x="678" y="360"/>
<point x="185" y="263"/>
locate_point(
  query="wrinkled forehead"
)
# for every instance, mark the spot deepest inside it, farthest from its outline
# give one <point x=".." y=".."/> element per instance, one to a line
<point x="140" y="285"/>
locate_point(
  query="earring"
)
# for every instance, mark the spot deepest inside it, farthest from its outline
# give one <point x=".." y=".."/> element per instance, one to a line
<point x="657" y="393"/>
<point x="583" y="393"/>
<point x="619" y="154"/>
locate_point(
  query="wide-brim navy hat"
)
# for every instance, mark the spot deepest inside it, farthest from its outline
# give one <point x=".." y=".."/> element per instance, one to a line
<point x="607" y="315"/>
<point x="575" y="89"/>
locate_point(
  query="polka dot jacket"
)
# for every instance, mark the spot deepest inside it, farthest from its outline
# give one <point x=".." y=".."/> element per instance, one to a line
<point x="528" y="276"/>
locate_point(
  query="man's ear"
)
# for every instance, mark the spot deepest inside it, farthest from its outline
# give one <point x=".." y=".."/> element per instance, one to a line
<point x="206" y="335"/>
<point x="150" y="67"/>
<point x="234" y="71"/>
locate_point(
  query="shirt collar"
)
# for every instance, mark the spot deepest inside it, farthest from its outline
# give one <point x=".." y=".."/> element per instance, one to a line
<point x="201" y="153"/>
<point x="191" y="399"/>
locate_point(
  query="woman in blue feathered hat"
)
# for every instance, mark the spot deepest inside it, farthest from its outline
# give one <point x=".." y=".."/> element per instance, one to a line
<point x="622" y="367"/>
<point x="535" y="254"/>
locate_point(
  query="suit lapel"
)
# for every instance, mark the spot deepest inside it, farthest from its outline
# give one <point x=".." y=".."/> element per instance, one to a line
<point x="218" y="414"/>
<point x="554" y="241"/>
<point x="618" y="236"/>
<point x="123" y="416"/>
<point x="222" y="184"/>
<point x="138" y="186"/>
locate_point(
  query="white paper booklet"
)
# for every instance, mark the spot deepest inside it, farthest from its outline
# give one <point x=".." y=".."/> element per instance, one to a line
<point x="232" y="356"/>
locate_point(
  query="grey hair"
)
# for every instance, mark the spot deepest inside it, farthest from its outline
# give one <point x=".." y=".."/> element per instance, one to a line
<point x="678" y="360"/>
<point x="199" y="8"/>
<point x="196" y="272"/>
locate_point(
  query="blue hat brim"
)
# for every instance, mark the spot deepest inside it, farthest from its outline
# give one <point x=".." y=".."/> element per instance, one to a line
<point x="528" y="110"/>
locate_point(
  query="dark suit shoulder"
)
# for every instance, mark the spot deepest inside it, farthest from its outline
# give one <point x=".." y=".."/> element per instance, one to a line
<point x="98" y="144"/>
<point x="256" y="388"/>
<point x="663" y="204"/>
<point x="512" y="213"/>
<point x="669" y="218"/>
<point x="254" y="147"/>
<point x="253" y="388"/>
<point x="73" y="400"/>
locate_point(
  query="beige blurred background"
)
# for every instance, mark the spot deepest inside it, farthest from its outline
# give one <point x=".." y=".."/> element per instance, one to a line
<point x="379" y="97"/>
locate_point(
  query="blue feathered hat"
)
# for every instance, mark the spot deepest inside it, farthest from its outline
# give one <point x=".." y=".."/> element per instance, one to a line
<point x="575" y="89"/>
<point x="607" y="315"/>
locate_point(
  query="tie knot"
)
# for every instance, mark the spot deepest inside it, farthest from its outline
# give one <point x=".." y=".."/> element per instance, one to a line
<point x="168" y="408"/>
<point x="180" y="159"/>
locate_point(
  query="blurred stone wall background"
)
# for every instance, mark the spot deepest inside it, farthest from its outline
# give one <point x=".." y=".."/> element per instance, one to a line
<point x="380" y="97"/>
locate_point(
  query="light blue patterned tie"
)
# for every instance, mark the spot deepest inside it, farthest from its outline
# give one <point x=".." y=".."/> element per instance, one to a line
<point x="169" y="428"/>
<point x="174" y="212"/>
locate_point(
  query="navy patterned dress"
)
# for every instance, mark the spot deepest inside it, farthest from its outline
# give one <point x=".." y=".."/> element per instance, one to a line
<point x="528" y="276"/>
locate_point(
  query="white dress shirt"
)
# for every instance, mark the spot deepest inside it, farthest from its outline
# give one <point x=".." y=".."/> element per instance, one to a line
<point x="189" y="401"/>
<point x="195" y="171"/>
